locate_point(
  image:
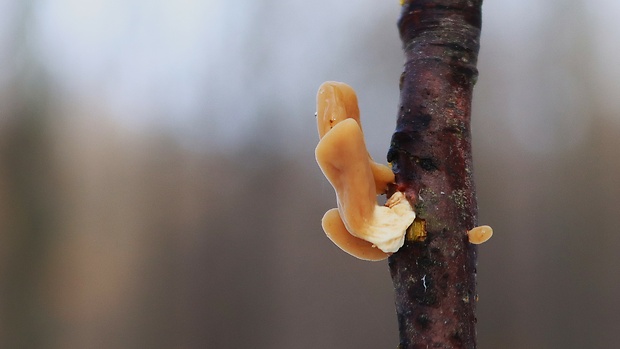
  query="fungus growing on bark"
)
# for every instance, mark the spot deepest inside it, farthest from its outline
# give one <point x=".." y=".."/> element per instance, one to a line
<point x="344" y="159"/>
<point x="480" y="234"/>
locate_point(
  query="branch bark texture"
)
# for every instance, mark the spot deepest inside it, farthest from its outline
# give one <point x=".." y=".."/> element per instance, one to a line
<point x="434" y="273"/>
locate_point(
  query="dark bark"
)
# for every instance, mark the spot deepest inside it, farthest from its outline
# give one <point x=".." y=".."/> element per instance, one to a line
<point x="434" y="273"/>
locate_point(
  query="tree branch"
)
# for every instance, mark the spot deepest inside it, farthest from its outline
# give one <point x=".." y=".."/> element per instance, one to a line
<point x="434" y="273"/>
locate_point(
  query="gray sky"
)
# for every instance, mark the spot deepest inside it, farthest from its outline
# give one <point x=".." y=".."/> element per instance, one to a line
<point x="219" y="69"/>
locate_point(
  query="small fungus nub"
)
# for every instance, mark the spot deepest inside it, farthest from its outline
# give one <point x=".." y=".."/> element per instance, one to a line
<point x="480" y="234"/>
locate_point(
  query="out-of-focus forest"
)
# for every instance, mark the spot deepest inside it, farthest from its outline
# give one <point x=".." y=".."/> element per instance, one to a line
<point x="158" y="187"/>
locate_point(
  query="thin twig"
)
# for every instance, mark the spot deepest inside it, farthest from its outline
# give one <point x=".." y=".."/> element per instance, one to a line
<point x="434" y="273"/>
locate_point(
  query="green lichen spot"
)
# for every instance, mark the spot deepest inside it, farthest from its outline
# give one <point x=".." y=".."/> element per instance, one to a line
<point x="459" y="198"/>
<point x="457" y="127"/>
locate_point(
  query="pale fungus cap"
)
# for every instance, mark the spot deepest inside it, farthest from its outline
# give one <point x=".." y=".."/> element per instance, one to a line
<point x="359" y="226"/>
<point x="480" y="234"/>
<point x="336" y="231"/>
<point x="337" y="101"/>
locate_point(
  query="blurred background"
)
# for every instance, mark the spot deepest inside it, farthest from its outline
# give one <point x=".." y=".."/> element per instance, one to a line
<point x="158" y="187"/>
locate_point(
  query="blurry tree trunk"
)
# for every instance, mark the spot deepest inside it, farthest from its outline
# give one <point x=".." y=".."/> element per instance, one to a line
<point x="434" y="273"/>
<point x="28" y="181"/>
<point x="28" y="189"/>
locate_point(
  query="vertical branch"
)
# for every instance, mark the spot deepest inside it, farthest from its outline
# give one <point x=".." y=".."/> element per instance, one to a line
<point x="434" y="272"/>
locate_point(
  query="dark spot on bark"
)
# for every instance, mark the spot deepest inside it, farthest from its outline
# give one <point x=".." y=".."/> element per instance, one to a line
<point x="443" y="282"/>
<point x="464" y="75"/>
<point x="401" y="140"/>
<point x="425" y="262"/>
<point x="423" y="321"/>
<point x="421" y="122"/>
<point x="391" y="156"/>
<point x="427" y="164"/>
<point x="473" y="17"/>
<point x="428" y="299"/>
<point x="456" y="338"/>
<point x="425" y="297"/>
